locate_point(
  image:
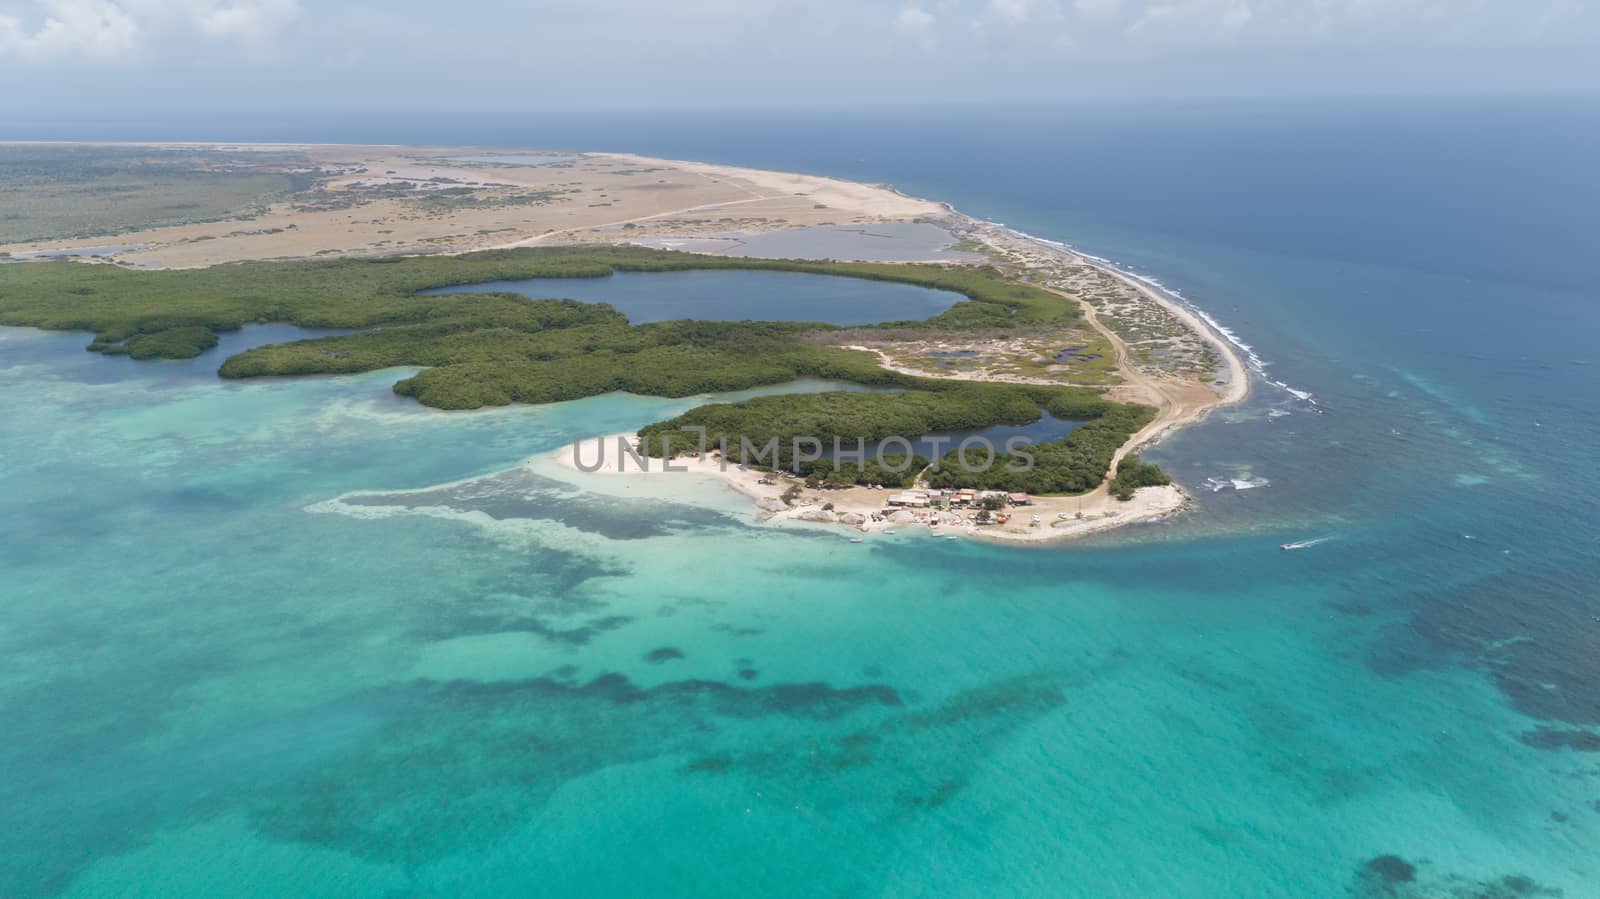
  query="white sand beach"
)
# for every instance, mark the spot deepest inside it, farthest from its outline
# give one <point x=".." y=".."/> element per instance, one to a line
<point x="861" y="508"/>
<point x="372" y="201"/>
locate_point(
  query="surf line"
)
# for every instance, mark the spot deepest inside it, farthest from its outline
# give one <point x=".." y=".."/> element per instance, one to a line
<point x="1252" y="359"/>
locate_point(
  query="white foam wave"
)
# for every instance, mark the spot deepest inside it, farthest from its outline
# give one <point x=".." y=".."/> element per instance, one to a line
<point x="1217" y="485"/>
<point x="1253" y="359"/>
<point x="1060" y="245"/>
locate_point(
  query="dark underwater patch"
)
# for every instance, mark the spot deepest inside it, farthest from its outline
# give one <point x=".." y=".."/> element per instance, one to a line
<point x="933" y="797"/>
<point x="519" y="494"/>
<point x="1354" y="608"/>
<point x="1392" y="869"/>
<point x="710" y="764"/>
<point x="1524" y="628"/>
<point x="1552" y="738"/>
<point x="1513" y="886"/>
<point x="879" y="754"/>
<point x="1204" y="679"/>
<point x="1392" y="877"/>
<point x="132" y="791"/>
<point x="543" y="596"/>
<point x="664" y="654"/>
<point x="491" y="752"/>
<point x="529" y="622"/>
<point x="575" y="636"/>
<point x="802" y="700"/>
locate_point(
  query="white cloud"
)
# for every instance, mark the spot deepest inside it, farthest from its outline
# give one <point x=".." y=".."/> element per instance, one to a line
<point x="253" y="20"/>
<point x="913" y="20"/>
<point x="1236" y="16"/>
<point x="882" y="48"/>
<point x="1013" y="11"/>
<point x="117" y="30"/>
<point x="94" y="29"/>
<point x="917" y="24"/>
<point x="1188" y="19"/>
<point x="1096" y="8"/>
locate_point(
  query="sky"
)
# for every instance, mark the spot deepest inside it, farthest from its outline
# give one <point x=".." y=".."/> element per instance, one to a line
<point x="273" y="56"/>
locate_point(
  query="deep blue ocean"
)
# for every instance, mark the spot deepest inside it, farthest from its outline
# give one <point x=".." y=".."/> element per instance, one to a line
<point x="303" y="637"/>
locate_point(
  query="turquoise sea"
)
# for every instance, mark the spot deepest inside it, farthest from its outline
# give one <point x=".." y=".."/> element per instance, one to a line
<point x="305" y="638"/>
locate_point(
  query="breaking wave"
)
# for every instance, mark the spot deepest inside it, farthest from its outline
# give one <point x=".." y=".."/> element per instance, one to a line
<point x="1252" y="359"/>
<point x="1217" y="485"/>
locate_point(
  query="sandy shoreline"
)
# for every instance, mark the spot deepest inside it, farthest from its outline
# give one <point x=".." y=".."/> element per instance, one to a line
<point x="1087" y="514"/>
<point x="1179" y="403"/>
<point x="625" y="198"/>
<point x="374" y="200"/>
<point x="1047" y="519"/>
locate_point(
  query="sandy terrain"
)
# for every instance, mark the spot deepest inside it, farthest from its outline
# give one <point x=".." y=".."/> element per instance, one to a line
<point x="1179" y="395"/>
<point x="1087" y="514"/>
<point x="375" y="200"/>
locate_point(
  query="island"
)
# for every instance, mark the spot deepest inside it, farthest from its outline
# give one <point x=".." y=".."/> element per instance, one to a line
<point x="386" y="252"/>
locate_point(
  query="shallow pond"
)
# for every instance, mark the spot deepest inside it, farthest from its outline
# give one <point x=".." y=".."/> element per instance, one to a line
<point x="929" y="446"/>
<point x="728" y="295"/>
<point x="516" y="158"/>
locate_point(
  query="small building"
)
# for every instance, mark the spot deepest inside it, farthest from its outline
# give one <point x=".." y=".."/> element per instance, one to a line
<point x="913" y="500"/>
<point x="1020" y="499"/>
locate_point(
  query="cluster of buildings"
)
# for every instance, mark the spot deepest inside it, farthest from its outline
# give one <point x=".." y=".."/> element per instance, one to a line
<point x="955" y="499"/>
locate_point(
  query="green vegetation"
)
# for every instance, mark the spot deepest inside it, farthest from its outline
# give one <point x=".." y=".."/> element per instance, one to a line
<point x="489" y="349"/>
<point x="672" y="359"/>
<point x="890" y="470"/>
<point x="846" y="416"/>
<point x="1133" y="473"/>
<point x="1076" y="463"/>
<point x="383" y="293"/>
<point x="498" y="348"/>
<point x="173" y="343"/>
<point x="54" y="192"/>
<point x="450" y="199"/>
<point x="769" y="425"/>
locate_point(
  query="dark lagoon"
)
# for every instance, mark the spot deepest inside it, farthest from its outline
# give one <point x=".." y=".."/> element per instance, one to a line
<point x="934" y="446"/>
<point x="736" y="296"/>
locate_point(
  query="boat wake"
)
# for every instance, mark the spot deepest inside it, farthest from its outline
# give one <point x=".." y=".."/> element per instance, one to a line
<point x="1306" y="544"/>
